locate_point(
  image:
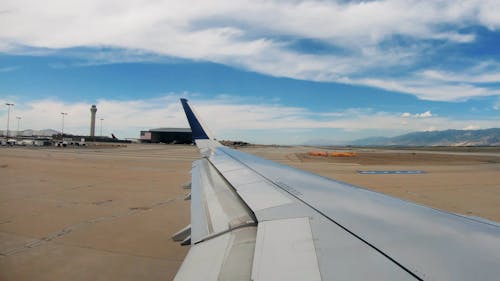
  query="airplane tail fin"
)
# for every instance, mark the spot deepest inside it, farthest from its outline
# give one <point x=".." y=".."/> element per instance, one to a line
<point x="201" y="135"/>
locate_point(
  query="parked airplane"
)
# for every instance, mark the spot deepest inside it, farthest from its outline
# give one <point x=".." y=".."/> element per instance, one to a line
<point x="254" y="219"/>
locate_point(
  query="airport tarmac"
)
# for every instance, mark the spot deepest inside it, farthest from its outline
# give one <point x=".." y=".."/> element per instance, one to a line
<point x="108" y="213"/>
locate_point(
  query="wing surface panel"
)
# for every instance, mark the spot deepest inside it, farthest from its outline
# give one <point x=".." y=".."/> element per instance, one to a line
<point x="262" y="195"/>
<point x="255" y="190"/>
<point x="343" y="257"/>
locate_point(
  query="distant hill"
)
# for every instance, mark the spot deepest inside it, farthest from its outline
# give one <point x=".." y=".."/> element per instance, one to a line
<point x="486" y="137"/>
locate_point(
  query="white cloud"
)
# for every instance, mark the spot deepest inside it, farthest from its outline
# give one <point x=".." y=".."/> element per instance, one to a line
<point x="426" y="114"/>
<point x="227" y="119"/>
<point x="482" y="72"/>
<point x="250" y="34"/>
<point x="431" y="90"/>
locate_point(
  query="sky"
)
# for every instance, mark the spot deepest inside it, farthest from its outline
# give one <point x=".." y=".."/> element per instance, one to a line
<point x="273" y="72"/>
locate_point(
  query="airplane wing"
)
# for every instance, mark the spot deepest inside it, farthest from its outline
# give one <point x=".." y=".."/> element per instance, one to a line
<point x="254" y="219"/>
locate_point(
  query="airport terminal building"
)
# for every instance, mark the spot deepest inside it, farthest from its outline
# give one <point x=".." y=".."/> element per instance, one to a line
<point x="167" y="135"/>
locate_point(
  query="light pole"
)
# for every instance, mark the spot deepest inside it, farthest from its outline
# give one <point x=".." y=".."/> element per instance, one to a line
<point x="18" y="120"/>
<point x="8" y="116"/>
<point x="62" y="130"/>
<point x="101" y="126"/>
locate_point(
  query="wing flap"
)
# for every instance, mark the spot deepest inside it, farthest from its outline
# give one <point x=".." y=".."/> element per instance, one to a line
<point x="225" y="257"/>
<point x="199" y="219"/>
<point x="223" y="230"/>
<point x="215" y="207"/>
<point x="285" y="251"/>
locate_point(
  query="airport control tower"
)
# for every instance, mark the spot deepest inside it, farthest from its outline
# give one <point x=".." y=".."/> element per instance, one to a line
<point x="93" y="111"/>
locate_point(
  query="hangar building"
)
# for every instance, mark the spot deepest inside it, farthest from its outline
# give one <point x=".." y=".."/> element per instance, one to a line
<point x="167" y="135"/>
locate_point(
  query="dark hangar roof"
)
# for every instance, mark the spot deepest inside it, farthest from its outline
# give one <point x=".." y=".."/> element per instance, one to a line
<point x="183" y="130"/>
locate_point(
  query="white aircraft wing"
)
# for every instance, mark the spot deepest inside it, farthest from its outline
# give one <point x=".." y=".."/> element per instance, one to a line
<point x="254" y="219"/>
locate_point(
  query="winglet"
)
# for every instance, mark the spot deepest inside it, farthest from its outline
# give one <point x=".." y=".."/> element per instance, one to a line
<point x="198" y="130"/>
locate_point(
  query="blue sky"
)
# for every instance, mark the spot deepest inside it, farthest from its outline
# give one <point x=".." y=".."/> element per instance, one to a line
<point x="268" y="72"/>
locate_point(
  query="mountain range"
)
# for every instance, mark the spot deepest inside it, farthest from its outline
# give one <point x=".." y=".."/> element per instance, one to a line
<point x="485" y="137"/>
